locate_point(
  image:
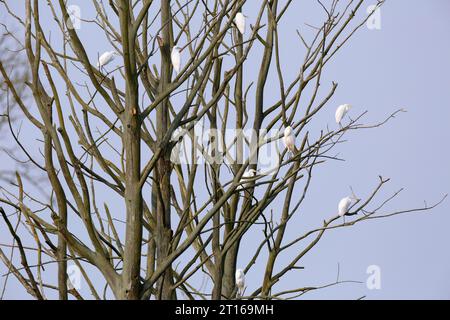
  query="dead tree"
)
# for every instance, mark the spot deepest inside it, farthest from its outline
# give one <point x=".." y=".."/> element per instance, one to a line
<point x="106" y="138"/>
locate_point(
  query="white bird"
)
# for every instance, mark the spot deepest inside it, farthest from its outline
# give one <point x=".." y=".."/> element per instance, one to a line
<point x="341" y="111"/>
<point x="239" y="19"/>
<point x="245" y="176"/>
<point x="289" y="139"/>
<point x="106" y="58"/>
<point x="240" y="281"/>
<point x="344" y="205"/>
<point x="175" y="56"/>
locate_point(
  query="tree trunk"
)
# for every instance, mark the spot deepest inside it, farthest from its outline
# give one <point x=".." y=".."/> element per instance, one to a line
<point x="130" y="288"/>
<point x="161" y="186"/>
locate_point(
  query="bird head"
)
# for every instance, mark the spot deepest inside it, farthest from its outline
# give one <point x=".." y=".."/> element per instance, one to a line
<point x="287" y="131"/>
<point x="347" y="107"/>
<point x="252" y="172"/>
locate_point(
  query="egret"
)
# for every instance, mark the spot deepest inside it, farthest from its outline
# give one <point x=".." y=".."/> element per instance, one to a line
<point x="176" y="58"/>
<point x="344" y="205"/>
<point x="341" y="111"/>
<point x="106" y="58"/>
<point x="240" y="281"/>
<point x="289" y="139"/>
<point x="245" y="177"/>
<point x="239" y="19"/>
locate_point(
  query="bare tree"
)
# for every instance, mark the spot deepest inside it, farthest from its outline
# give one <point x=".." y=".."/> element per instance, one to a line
<point x="110" y="138"/>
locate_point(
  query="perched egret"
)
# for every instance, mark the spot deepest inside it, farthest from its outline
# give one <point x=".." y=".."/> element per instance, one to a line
<point x="106" y="58"/>
<point x="239" y="19"/>
<point x="289" y="139"/>
<point x="344" y="205"/>
<point x="240" y="281"/>
<point x="176" y="58"/>
<point x="247" y="175"/>
<point x="341" y="111"/>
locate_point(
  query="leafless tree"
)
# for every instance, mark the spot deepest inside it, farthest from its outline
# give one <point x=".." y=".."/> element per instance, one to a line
<point x="107" y="137"/>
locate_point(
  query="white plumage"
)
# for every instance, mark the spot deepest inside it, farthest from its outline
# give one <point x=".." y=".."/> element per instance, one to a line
<point x="289" y="139"/>
<point x="175" y="56"/>
<point x="239" y="19"/>
<point x="245" y="177"/>
<point x="106" y="58"/>
<point x="240" y="281"/>
<point x="344" y="205"/>
<point x="341" y="111"/>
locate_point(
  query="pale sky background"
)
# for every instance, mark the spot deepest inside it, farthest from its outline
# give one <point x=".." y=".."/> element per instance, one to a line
<point x="406" y="64"/>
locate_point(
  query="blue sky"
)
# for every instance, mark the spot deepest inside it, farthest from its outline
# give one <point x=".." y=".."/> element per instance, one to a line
<point x="406" y="65"/>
